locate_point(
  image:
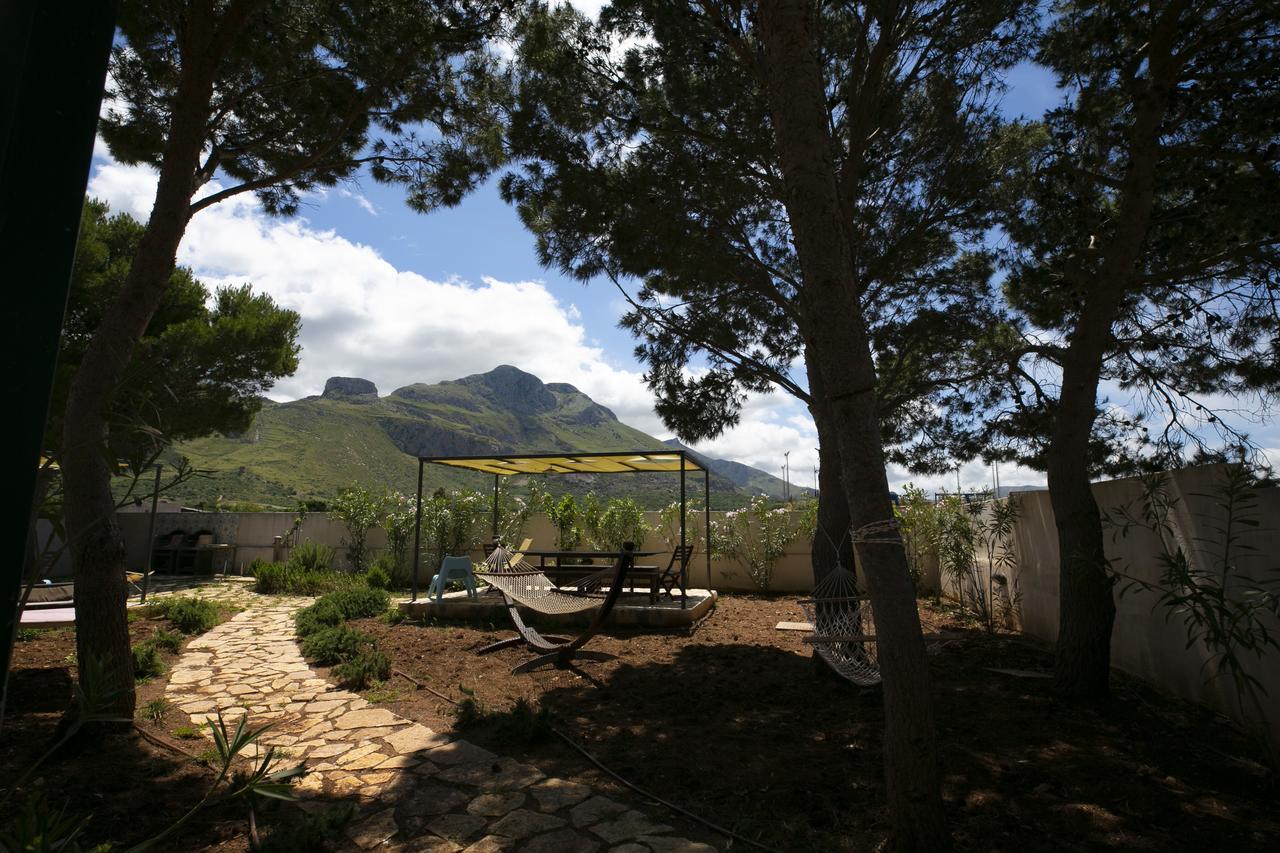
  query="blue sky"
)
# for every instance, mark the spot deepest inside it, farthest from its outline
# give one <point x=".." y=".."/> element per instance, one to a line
<point x="398" y="297"/>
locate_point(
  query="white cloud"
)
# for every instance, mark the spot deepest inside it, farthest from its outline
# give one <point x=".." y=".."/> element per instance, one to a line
<point x="363" y="317"/>
<point x="358" y="198"/>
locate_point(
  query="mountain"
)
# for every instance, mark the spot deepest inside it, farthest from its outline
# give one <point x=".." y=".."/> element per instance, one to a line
<point x="752" y="480"/>
<point x="313" y="447"/>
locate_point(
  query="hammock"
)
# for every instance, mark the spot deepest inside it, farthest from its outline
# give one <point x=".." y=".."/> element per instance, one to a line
<point x="843" y="628"/>
<point x="528" y="586"/>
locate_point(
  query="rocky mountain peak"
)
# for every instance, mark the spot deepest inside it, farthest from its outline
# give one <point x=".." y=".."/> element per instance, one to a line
<point x="349" y="387"/>
<point x="511" y="389"/>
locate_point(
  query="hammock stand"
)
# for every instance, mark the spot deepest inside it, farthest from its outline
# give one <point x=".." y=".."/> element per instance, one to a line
<point x="523" y="584"/>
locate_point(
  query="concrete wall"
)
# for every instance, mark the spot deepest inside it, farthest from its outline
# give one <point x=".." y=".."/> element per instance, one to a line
<point x="1144" y="642"/>
<point x="254" y="533"/>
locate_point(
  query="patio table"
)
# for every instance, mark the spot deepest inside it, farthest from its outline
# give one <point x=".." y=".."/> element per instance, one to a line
<point x="573" y="564"/>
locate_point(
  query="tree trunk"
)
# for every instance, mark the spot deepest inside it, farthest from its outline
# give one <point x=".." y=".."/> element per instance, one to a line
<point x="832" y="545"/>
<point x="96" y="544"/>
<point x="835" y="334"/>
<point x="1086" y="607"/>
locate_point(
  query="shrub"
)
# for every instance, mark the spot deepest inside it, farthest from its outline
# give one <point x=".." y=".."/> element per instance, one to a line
<point x="756" y="537"/>
<point x="311" y="557"/>
<point x="268" y="578"/>
<point x="325" y="613"/>
<point x="192" y="615"/>
<point x="166" y="640"/>
<point x="334" y="645"/>
<point x="360" y="510"/>
<point x="146" y="661"/>
<point x="394" y="616"/>
<point x="359" y="602"/>
<point x="377" y="577"/>
<point x="296" y="578"/>
<point x="367" y="666"/>
<point x="26" y="635"/>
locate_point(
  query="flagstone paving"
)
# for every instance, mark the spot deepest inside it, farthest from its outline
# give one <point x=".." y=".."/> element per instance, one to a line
<point x="416" y="789"/>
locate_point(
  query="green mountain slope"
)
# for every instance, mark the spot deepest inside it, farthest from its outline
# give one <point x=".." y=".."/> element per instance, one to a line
<point x="752" y="480"/>
<point x="313" y="447"/>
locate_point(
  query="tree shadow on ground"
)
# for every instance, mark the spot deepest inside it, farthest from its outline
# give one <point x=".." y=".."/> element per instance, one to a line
<point x="750" y="736"/>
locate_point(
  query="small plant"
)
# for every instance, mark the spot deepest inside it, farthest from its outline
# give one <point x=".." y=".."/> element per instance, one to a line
<point x="186" y="733"/>
<point x="26" y="635"/>
<point x="380" y="692"/>
<point x="521" y="724"/>
<point x="192" y="615"/>
<point x="260" y="780"/>
<point x="394" y="616"/>
<point x="368" y="666"/>
<point x="146" y="661"/>
<point x="311" y="557"/>
<point x="156" y="709"/>
<point x="39" y="828"/>
<point x="166" y="640"/>
<point x="315" y="832"/>
<point x="329" y="646"/>
<point x="524" y="725"/>
<point x="471" y="711"/>
<point x="377" y="577"/>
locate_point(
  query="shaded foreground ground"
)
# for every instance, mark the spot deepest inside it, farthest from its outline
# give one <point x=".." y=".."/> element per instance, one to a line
<point x="735" y="724"/>
<point x="130" y="785"/>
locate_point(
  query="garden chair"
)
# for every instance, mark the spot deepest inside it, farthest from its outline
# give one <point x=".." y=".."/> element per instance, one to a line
<point x="453" y="569"/>
<point x="674" y="574"/>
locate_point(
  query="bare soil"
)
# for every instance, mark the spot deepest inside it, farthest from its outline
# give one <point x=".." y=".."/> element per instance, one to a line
<point x="736" y="723"/>
<point x="132" y="787"/>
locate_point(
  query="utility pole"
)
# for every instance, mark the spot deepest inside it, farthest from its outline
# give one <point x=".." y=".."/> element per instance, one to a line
<point x="786" y="474"/>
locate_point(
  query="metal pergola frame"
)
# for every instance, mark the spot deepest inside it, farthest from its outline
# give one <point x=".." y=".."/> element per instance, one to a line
<point x="493" y="463"/>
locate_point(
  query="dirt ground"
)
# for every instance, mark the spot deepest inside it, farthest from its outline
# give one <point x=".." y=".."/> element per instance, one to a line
<point x="131" y="787"/>
<point x="735" y="723"/>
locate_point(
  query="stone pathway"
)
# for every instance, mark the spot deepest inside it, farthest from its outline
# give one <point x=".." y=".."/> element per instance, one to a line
<point x="416" y="789"/>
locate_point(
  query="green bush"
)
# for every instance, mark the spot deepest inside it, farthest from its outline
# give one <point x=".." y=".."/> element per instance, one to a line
<point x="334" y="645"/>
<point x="268" y="578"/>
<point x="367" y="666"/>
<point x="191" y="615"/>
<point x="377" y="577"/>
<point x="166" y="640"/>
<point x="359" y="602"/>
<point x="146" y="661"/>
<point x="311" y="557"/>
<point x="296" y="579"/>
<point x="325" y="613"/>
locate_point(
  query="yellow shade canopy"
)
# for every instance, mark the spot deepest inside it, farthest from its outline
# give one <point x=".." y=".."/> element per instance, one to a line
<point x="573" y="463"/>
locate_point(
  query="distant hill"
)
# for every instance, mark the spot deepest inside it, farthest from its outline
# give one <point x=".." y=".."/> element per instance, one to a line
<point x="753" y="480"/>
<point x="313" y="447"/>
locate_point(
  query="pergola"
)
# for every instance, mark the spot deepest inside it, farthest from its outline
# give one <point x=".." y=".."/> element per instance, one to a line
<point x="617" y="462"/>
